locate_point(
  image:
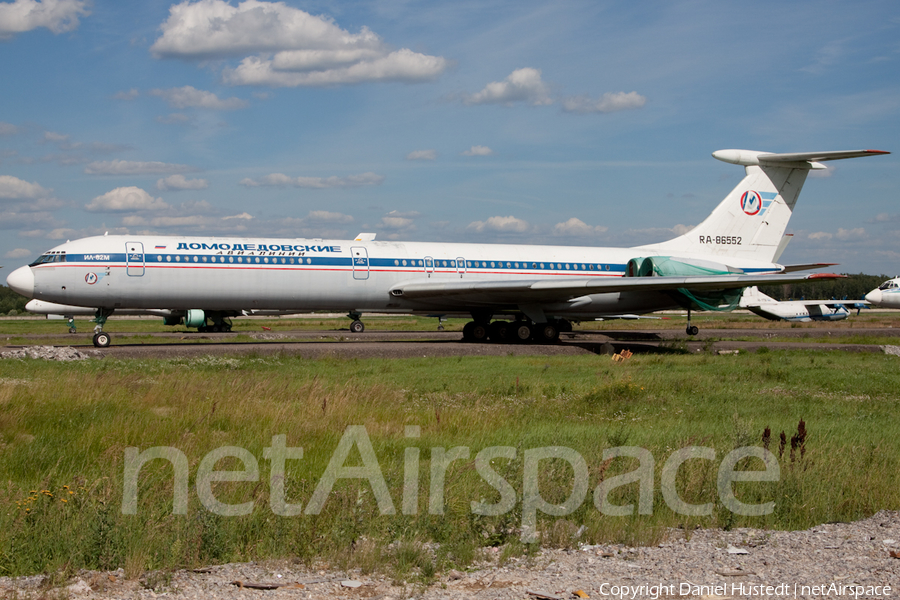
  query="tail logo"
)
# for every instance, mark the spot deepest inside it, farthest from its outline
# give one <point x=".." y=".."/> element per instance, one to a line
<point x="751" y="203"/>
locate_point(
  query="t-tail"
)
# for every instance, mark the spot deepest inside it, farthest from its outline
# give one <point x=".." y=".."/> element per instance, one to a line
<point x="750" y="222"/>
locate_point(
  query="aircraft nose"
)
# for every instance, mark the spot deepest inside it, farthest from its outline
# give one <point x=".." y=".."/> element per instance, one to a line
<point x="874" y="296"/>
<point x="21" y="281"/>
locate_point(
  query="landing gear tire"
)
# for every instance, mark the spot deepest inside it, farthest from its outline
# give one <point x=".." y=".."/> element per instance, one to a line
<point x="521" y="332"/>
<point x="475" y="332"/>
<point x="692" y="330"/>
<point x="102" y="340"/>
<point x="546" y="333"/>
<point x="479" y="332"/>
<point x="357" y="326"/>
<point x="499" y="332"/>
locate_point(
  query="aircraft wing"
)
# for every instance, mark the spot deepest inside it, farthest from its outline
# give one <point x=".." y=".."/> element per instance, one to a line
<point x="532" y="290"/>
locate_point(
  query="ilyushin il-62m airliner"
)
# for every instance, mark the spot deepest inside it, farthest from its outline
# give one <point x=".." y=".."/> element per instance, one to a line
<point x="511" y="292"/>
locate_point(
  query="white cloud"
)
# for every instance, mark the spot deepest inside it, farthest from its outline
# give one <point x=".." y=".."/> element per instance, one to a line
<point x="13" y="188"/>
<point x="478" y="151"/>
<point x="284" y="46"/>
<point x="129" y="167"/>
<point x="401" y="65"/>
<point x="243" y="216"/>
<point x="125" y="198"/>
<point x="422" y="155"/>
<point x="56" y="138"/>
<point x="885" y="218"/>
<point x="577" y="227"/>
<point x="857" y="233"/>
<point x="56" y="15"/>
<point x="822" y="236"/>
<point x="282" y="180"/>
<point x="27" y="219"/>
<point x="180" y="182"/>
<point x="18" y="253"/>
<point x="61" y="233"/>
<point x="609" y="102"/>
<point x="127" y="95"/>
<point x="216" y="29"/>
<point x="190" y="97"/>
<point x="8" y="129"/>
<point x="522" y="85"/>
<point x="185" y="221"/>
<point x="501" y="224"/>
<point x="399" y="221"/>
<point x="324" y="216"/>
<point x="173" y="119"/>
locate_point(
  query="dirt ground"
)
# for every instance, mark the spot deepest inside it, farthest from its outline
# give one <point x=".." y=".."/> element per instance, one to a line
<point x="407" y="344"/>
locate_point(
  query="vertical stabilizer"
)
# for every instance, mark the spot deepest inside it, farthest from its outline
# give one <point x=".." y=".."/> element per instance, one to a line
<point x="750" y="222"/>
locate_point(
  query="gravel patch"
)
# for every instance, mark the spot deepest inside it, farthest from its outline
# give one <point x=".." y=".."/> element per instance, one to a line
<point x="840" y="560"/>
<point x="51" y="353"/>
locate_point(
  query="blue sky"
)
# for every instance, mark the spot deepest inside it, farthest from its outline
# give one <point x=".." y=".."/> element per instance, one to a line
<point x="525" y="122"/>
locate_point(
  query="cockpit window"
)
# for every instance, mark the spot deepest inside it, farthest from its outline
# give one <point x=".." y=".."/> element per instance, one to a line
<point x="888" y="285"/>
<point x="49" y="257"/>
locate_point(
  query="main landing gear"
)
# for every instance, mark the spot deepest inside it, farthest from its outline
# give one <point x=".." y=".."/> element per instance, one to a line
<point x="101" y="339"/>
<point x="356" y="326"/>
<point x="519" y="331"/>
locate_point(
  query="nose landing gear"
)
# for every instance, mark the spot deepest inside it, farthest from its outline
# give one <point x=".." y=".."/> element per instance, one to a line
<point x="101" y="339"/>
<point x="356" y="326"/>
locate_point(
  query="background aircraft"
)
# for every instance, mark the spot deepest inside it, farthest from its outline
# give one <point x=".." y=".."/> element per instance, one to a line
<point x="796" y="310"/>
<point x="886" y="295"/>
<point x="535" y="290"/>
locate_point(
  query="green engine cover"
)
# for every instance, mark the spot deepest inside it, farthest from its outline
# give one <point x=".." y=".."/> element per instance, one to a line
<point x="195" y="318"/>
<point x="667" y="266"/>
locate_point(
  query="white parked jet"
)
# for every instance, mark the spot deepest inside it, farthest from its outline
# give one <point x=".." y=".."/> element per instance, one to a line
<point x="886" y="295"/>
<point x="206" y="280"/>
<point x="795" y="310"/>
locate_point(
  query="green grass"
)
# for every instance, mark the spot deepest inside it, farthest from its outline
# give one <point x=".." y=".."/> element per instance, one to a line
<point x="138" y="331"/>
<point x="64" y="428"/>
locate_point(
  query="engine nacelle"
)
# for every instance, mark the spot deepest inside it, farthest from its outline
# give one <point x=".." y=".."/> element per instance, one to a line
<point x="672" y="266"/>
<point x="669" y="266"/>
<point x="195" y="317"/>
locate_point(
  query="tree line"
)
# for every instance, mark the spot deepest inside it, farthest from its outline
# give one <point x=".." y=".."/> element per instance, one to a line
<point x="854" y="287"/>
<point x="11" y="301"/>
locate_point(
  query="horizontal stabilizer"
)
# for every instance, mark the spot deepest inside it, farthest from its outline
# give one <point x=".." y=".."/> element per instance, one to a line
<point x="749" y="158"/>
<point x="806" y="267"/>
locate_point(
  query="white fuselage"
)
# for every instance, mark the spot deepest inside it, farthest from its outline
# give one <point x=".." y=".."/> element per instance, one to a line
<point x="792" y="310"/>
<point x="887" y="295"/>
<point x="229" y="274"/>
